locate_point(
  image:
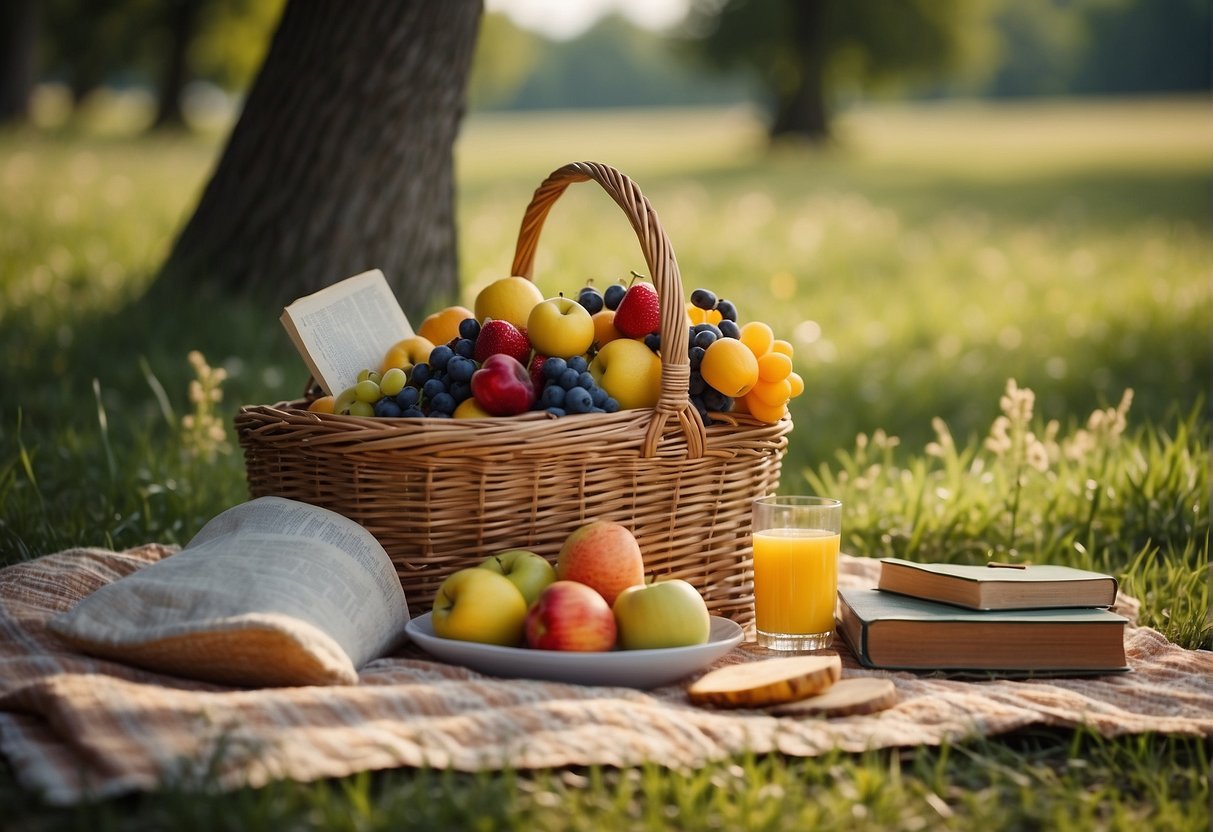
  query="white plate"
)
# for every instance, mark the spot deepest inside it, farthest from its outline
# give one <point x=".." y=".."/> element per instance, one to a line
<point x="622" y="668"/>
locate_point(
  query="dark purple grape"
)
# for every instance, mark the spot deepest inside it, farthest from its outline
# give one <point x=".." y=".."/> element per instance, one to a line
<point x="440" y="356"/>
<point x="696" y="358"/>
<point x="432" y="388"/>
<point x="613" y="295"/>
<point x="704" y="339"/>
<point x="420" y="374"/>
<point x="653" y="341"/>
<point x="387" y="408"/>
<point x="466" y="346"/>
<point x="460" y="390"/>
<point x="460" y="368"/>
<point x="728" y="312"/>
<point x="590" y="298"/>
<point x="703" y="298"/>
<point x="413" y="412"/>
<point x="697" y="385"/>
<point x="729" y="329"/>
<point x="408" y="397"/>
<point x="714" y="400"/>
<point x="469" y="329"/>
<point x="442" y="403"/>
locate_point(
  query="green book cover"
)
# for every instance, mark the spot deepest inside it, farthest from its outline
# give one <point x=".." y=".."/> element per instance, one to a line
<point x="894" y="631"/>
<point x="998" y="587"/>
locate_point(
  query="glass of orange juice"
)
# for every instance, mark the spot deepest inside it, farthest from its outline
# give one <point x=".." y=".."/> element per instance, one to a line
<point x="796" y="541"/>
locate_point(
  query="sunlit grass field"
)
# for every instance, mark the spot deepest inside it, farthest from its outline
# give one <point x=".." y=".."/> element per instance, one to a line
<point x="933" y="253"/>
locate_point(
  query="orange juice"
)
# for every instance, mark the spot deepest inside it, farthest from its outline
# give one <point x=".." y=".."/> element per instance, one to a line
<point x="795" y="580"/>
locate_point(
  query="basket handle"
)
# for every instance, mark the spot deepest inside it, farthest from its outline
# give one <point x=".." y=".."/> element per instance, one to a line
<point x="663" y="267"/>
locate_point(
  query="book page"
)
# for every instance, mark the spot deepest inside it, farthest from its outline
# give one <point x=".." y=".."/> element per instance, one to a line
<point x="308" y="563"/>
<point x="346" y="328"/>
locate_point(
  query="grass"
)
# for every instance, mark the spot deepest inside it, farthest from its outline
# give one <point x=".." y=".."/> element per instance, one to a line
<point x="935" y="253"/>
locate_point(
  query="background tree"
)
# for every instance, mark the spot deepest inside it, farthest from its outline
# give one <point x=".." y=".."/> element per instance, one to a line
<point x="805" y="51"/>
<point x="18" y="34"/>
<point x="342" y="157"/>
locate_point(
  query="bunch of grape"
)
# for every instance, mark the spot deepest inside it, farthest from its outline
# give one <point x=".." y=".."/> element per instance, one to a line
<point x="717" y="318"/>
<point x="438" y="386"/>
<point x="568" y="387"/>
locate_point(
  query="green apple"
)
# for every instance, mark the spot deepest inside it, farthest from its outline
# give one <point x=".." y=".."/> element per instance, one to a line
<point x="629" y="371"/>
<point x="479" y="605"/>
<point x="661" y="614"/>
<point x="508" y="299"/>
<point x="560" y="326"/>
<point x="526" y="570"/>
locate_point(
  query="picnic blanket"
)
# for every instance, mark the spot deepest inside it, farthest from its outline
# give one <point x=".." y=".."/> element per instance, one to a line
<point x="74" y="727"/>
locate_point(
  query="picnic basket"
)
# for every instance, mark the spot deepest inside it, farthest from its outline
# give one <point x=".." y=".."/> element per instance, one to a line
<point x="442" y="494"/>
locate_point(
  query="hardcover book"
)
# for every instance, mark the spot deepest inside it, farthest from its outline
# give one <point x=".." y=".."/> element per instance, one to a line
<point x="997" y="587"/>
<point x="896" y="632"/>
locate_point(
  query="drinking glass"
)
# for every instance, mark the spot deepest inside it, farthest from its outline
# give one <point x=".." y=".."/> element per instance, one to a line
<point x="796" y="542"/>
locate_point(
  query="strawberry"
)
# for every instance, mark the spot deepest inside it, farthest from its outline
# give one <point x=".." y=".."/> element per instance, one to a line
<point x="639" y="312"/>
<point x="537" y="371"/>
<point x="501" y="337"/>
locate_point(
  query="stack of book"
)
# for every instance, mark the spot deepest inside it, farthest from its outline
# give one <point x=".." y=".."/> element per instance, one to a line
<point x="1021" y="619"/>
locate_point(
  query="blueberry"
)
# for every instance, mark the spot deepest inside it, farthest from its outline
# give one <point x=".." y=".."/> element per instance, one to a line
<point x="554" y="367"/>
<point x="697" y="402"/>
<point x="465" y="346"/>
<point x="569" y="378"/>
<point x="703" y="298"/>
<point x="715" y="400"/>
<point x="408" y="397"/>
<point x="729" y="329"/>
<point x="440" y="356"/>
<point x="459" y="390"/>
<point x="598" y="396"/>
<point x="387" y="408"/>
<point x="420" y="374"/>
<point x="696" y="357"/>
<point x="556" y="411"/>
<point x="442" y="403"/>
<point x="432" y="388"/>
<point x="610" y="405"/>
<point x="728" y="312"/>
<point x="704" y="339"/>
<point x="613" y="295"/>
<point x="469" y="329"/>
<point x="578" y="363"/>
<point x="697" y="385"/>
<point x="460" y="368"/>
<point x="585" y="380"/>
<point x="578" y="400"/>
<point x="412" y="412"/>
<point x="653" y="341"/>
<point x="705" y="327"/>
<point x="590" y="299"/>
<point x="439" y="414"/>
<point x="552" y="396"/>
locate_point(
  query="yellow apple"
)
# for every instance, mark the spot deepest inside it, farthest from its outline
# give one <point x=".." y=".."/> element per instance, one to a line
<point x="668" y="613"/>
<point x="479" y="605"/>
<point x="560" y="326"/>
<point x="406" y="352"/>
<point x="629" y="371"/>
<point x="508" y="299"/>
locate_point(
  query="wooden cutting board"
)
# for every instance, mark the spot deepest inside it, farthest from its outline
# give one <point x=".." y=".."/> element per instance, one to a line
<point x="848" y="697"/>
<point x="767" y="682"/>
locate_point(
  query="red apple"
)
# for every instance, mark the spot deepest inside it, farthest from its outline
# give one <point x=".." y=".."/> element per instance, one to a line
<point x="502" y="386"/>
<point x="604" y="556"/>
<point x="570" y="616"/>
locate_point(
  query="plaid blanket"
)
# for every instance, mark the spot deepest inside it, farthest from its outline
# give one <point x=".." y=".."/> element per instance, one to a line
<point x="74" y="727"/>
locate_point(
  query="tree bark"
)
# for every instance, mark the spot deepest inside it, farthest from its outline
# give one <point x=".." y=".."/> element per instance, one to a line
<point x="182" y="18"/>
<point x="342" y="159"/>
<point x="18" y="35"/>
<point x="800" y="108"/>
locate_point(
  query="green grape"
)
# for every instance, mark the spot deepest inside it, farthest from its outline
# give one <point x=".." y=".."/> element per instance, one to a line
<point x="367" y="391"/>
<point x="362" y="408"/>
<point x="393" y="381"/>
<point x="344" y="399"/>
<point x="369" y="375"/>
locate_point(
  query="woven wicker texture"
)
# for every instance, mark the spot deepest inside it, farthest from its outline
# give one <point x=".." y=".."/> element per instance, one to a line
<point x="441" y="495"/>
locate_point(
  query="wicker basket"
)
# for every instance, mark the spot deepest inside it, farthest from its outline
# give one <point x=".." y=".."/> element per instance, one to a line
<point x="442" y="494"/>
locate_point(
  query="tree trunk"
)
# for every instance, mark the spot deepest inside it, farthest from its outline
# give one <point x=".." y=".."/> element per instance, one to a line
<point x="800" y="107"/>
<point x="182" y="18"/>
<point x="342" y="159"/>
<point x="18" y="34"/>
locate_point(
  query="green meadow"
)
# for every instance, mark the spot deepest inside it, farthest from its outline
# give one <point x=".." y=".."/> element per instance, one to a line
<point x="931" y="255"/>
